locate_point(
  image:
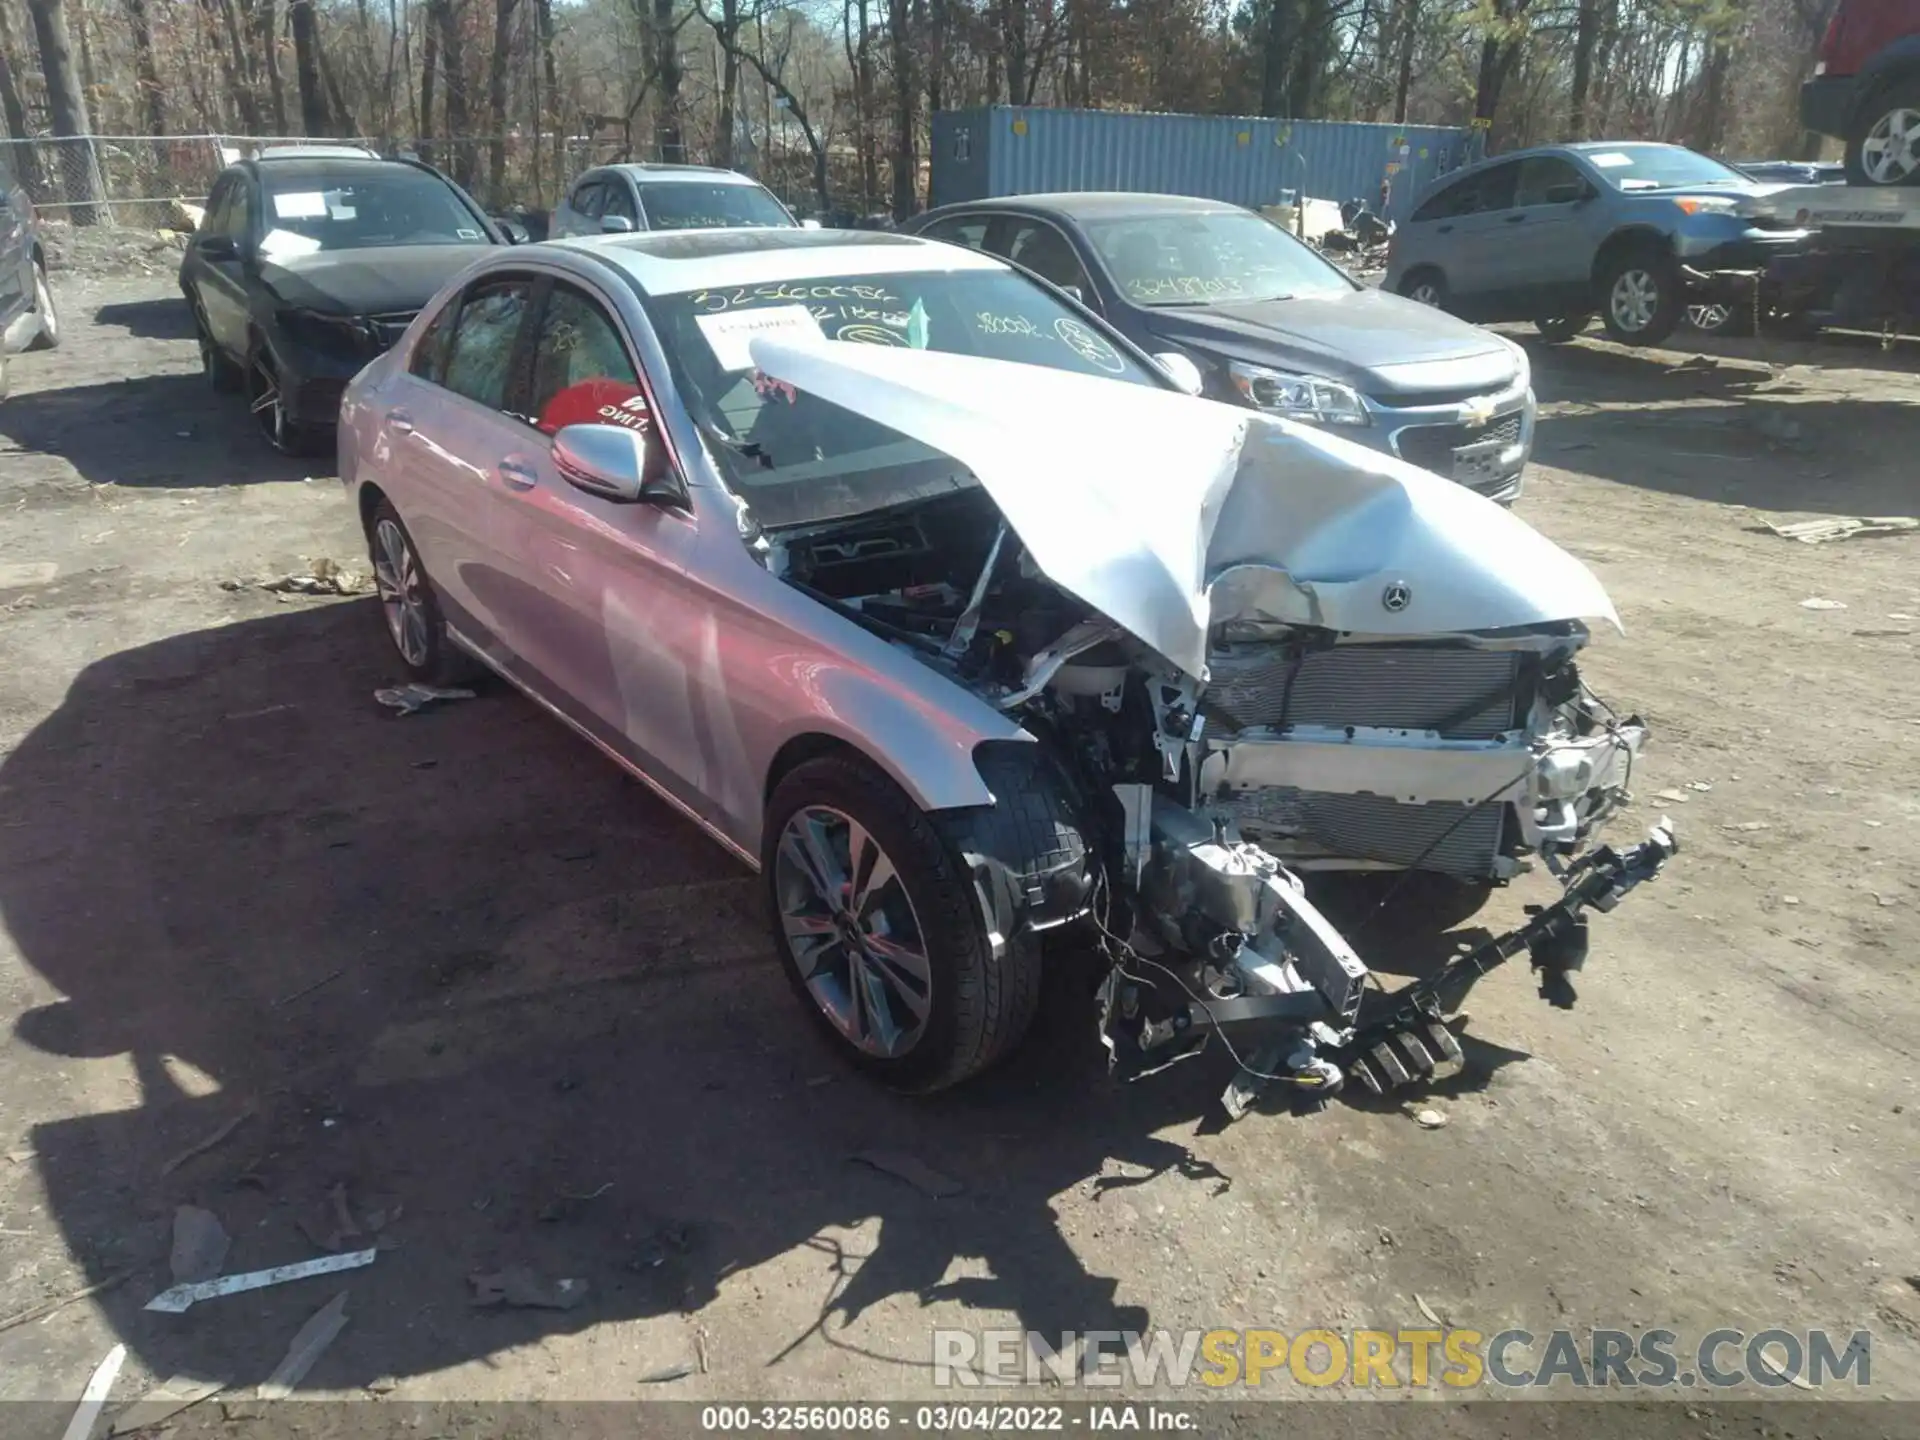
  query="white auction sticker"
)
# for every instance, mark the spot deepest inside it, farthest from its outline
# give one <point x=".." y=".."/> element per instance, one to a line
<point x="731" y="333"/>
<point x="300" y="205"/>
<point x="1611" y="160"/>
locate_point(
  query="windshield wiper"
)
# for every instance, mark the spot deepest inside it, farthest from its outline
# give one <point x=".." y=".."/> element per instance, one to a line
<point x="751" y="449"/>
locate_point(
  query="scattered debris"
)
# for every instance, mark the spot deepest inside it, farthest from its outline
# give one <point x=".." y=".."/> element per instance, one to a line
<point x="20" y="1156"/>
<point x="207" y="1144"/>
<point x="519" y="1287"/>
<point x="1789" y="899"/>
<point x="1847" y="527"/>
<point x="700" y="1346"/>
<point x="19" y="574"/>
<point x="1567" y="445"/>
<point x="50" y="1307"/>
<point x="672" y="1372"/>
<point x="1427" y="1118"/>
<point x="182" y="1297"/>
<point x="1672" y="797"/>
<point x="306" y="990"/>
<point x="306" y="1347"/>
<point x="816" y="1081"/>
<point x="410" y="698"/>
<point x="1880" y="634"/>
<point x="94" y="1398"/>
<point x="200" y="1245"/>
<point x="337" y="1228"/>
<point x="657" y="1246"/>
<point x="163" y="1402"/>
<point x="1774" y="1367"/>
<point x="1702" y="786"/>
<point x="1815" y="602"/>
<point x="1693" y="363"/>
<point x="321" y="577"/>
<point x="1748" y="825"/>
<point x="914" y="1171"/>
<point x="1428" y="1310"/>
<point x="382" y="1385"/>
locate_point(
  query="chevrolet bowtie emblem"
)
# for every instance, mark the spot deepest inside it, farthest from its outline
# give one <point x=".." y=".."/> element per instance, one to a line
<point x="1476" y="413"/>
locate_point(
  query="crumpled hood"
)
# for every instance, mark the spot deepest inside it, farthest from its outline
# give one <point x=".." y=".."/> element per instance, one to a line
<point x="377" y="281"/>
<point x="1170" y="514"/>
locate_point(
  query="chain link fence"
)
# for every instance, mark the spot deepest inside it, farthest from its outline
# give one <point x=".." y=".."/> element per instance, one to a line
<point x="141" y="182"/>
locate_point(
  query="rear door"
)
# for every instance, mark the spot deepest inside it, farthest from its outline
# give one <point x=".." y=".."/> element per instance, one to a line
<point x="16" y="249"/>
<point x="1479" y="279"/>
<point x="1546" y="245"/>
<point x="447" y="429"/>
<point x="222" y="282"/>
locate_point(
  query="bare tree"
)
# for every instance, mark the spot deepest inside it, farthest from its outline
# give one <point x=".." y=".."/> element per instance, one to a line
<point x="66" y="104"/>
<point x="498" y="64"/>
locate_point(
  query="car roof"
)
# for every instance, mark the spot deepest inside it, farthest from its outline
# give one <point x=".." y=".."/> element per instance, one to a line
<point x="658" y="174"/>
<point x="311" y="166"/>
<point x="669" y="262"/>
<point x="1095" y="204"/>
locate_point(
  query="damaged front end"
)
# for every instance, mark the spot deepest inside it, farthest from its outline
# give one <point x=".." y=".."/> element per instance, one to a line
<point x="1243" y="652"/>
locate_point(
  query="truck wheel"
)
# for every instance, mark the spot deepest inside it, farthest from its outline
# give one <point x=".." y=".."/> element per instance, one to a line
<point x="878" y="924"/>
<point x="1883" y="142"/>
<point x="1640" y="299"/>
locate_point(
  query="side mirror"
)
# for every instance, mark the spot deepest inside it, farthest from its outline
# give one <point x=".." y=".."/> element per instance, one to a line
<point x="1182" y="371"/>
<point x="616" y="225"/>
<point x="614" y="463"/>
<point x="515" y="232"/>
<point x="217" y="247"/>
<point x="1571" y="194"/>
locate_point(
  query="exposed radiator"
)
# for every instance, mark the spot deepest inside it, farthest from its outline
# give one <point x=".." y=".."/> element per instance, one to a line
<point x="1464" y="694"/>
<point x="1370" y="827"/>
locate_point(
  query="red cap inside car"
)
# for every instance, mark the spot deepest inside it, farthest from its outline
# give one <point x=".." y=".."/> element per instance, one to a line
<point x="600" y="401"/>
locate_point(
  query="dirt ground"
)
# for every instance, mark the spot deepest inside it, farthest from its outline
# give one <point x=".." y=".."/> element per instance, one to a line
<point x="458" y="965"/>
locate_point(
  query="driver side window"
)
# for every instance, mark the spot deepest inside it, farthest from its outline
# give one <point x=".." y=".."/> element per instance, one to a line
<point x="485" y="338"/>
<point x="619" y="201"/>
<point x="1045" y="251"/>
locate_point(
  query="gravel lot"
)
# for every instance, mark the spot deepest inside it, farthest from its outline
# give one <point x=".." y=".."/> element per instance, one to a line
<point x="458" y="965"/>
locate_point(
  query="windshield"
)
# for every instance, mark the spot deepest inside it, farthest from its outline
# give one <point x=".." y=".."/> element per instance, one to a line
<point x="1660" y="167"/>
<point x="1212" y="257"/>
<point x="695" y="205"/>
<point x="308" y="213"/>
<point x="799" y="459"/>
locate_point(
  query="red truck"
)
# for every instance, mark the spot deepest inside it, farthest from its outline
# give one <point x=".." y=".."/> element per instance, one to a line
<point x="1865" y="90"/>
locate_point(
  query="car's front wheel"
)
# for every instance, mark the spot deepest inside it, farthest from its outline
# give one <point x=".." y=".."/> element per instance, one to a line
<point x="1640" y="294"/>
<point x="1426" y="287"/>
<point x="878" y="924"/>
<point x="267" y="399"/>
<point x="1883" y="143"/>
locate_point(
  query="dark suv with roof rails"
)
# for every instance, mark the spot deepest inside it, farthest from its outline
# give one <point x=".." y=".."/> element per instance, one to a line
<point x="311" y="262"/>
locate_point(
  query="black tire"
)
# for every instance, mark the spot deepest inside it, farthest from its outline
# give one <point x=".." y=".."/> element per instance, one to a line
<point x="1648" y="311"/>
<point x="1879" y="119"/>
<point x="977" y="1007"/>
<point x="436" y="660"/>
<point x="1425" y="286"/>
<point x="1558" y="329"/>
<point x="276" y="427"/>
<point x="223" y="377"/>
<point x="46" y="335"/>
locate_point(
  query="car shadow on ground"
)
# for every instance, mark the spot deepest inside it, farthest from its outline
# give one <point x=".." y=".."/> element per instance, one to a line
<point x="1721" y="433"/>
<point x="167" y="319"/>
<point x="163" y="431"/>
<point x="458" y="965"/>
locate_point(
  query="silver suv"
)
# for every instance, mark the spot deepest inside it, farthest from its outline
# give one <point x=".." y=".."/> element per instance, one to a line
<point x="619" y="199"/>
<point x="1554" y="234"/>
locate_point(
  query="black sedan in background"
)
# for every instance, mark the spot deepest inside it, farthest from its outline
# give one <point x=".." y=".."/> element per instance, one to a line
<point x="309" y="263"/>
<point x="1271" y="323"/>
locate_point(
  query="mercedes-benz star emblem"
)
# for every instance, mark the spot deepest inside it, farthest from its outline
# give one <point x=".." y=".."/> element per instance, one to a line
<point x="1397" y="596"/>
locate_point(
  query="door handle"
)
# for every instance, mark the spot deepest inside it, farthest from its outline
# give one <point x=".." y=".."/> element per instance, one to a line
<point x="517" y="474"/>
<point x="400" y="421"/>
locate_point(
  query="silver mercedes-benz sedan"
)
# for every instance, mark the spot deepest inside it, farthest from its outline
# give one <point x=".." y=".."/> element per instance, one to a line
<point x="929" y="595"/>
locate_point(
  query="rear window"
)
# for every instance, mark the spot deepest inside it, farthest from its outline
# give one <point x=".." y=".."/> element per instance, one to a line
<point x="695" y="205"/>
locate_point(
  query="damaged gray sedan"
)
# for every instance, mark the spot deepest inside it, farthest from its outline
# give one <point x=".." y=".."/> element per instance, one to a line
<point x="924" y="592"/>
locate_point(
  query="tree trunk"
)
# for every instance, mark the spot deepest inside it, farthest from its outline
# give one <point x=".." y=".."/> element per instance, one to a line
<point x="1013" y="40"/>
<point x="1586" y="35"/>
<point x="266" y="32"/>
<point x="429" y="66"/>
<point x="1409" y="32"/>
<point x="864" y="104"/>
<point x="497" y="63"/>
<point x="1273" y="58"/>
<point x="667" y="136"/>
<point x="453" y="74"/>
<point x="26" y="154"/>
<point x="314" y="118"/>
<point x="723" y="150"/>
<point x="906" y="159"/>
<point x="66" y="106"/>
<point x="939" y="28"/>
<point x="235" y="68"/>
<point x="153" y="102"/>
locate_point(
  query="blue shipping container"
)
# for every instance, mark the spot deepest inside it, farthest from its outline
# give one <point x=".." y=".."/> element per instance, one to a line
<point x="1248" y="160"/>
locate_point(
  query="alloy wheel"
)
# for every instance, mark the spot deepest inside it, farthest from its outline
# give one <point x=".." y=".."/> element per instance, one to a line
<point x="1887" y="155"/>
<point x="852" y="931"/>
<point x="268" y="408"/>
<point x="1635" y="300"/>
<point x="396" y="575"/>
<point x="1708" y="317"/>
<point x="1425" y="293"/>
